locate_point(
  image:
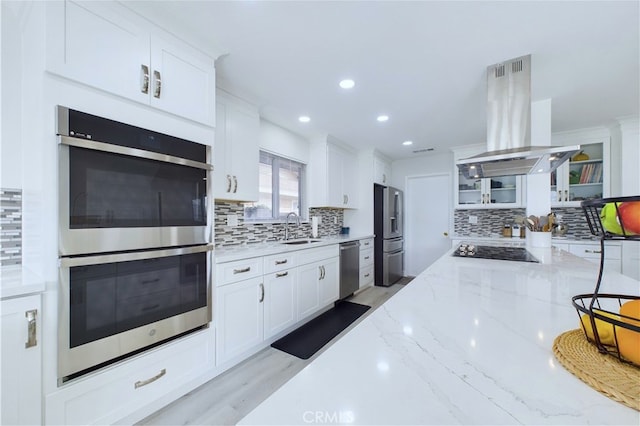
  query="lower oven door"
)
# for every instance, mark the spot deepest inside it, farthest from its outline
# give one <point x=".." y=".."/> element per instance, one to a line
<point x="116" y="304"/>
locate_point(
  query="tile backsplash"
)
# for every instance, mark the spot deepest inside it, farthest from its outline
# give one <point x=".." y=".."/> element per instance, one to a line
<point x="249" y="233"/>
<point x="490" y="222"/>
<point x="10" y="226"/>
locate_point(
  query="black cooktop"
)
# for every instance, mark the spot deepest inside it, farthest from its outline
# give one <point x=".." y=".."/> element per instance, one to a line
<point x="518" y="254"/>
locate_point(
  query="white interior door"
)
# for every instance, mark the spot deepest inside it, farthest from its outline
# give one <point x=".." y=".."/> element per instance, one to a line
<point x="427" y="220"/>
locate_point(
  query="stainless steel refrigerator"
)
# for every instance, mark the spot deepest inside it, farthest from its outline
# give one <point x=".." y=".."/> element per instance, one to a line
<point x="388" y="229"/>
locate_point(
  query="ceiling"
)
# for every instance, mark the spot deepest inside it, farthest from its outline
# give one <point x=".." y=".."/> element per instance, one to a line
<point x="422" y="63"/>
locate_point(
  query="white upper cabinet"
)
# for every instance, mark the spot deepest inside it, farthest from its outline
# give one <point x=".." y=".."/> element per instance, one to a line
<point x="236" y="150"/>
<point x="333" y="172"/>
<point x="109" y="47"/>
<point x="476" y="193"/>
<point x="381" y="170"/>
<point x="585" y="176"/>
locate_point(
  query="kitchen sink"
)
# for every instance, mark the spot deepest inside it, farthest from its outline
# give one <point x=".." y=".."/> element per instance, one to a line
<point x="303" y="241"/>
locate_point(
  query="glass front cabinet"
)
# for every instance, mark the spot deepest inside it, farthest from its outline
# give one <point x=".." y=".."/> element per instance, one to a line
<point x="496" y="192"/>
<point x="584" y="177"/>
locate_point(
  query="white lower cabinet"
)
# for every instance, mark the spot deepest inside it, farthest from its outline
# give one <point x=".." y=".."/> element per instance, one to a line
<point x="366" y="263"/>
<point x="279" y="301"/>
<point x="592" y="251"/>
<point x="329" y="283"/>
<point x="240" y="317"/>
<point x="21" y="361"/>
<point x="259" y="299"/>
<point x="108" y="396"/>
<point x="308" y="291"/>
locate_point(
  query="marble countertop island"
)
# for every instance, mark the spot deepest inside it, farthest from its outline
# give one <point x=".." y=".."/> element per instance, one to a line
<point x="468" y="341"/>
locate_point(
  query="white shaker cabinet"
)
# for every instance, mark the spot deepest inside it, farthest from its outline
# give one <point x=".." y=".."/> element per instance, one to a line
<point x="366" y="263"/>
<point x="381" y="170"/>
<point x="109" y="47"/>
<point x="279" y="301"/>
<point x="333" y="173"/>
<point x="329" y="283"/>
<point x="308" y="290"/>
<point x="236" y="152"/>
<point x="240" y="316"/>
<point x="21" y="361"/>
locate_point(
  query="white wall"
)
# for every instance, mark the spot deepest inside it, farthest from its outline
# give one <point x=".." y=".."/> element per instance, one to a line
<point x="426" y="164"/>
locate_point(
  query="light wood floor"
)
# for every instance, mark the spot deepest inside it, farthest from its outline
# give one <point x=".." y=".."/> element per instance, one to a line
<point x="229" y="397"/>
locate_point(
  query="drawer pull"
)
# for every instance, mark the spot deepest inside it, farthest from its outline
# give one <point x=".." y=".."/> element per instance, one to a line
<point x="592" y="251"/>
<point x="367" y="275"/>
<point x="241" y="271"/>
<point x="31" y="328"/>
<point x="282" y="274"/>
<point x="155" y="280"/>
<point x="141" y="383"/>
<point x="281" y="262"/>
<point x="366" y="258"/>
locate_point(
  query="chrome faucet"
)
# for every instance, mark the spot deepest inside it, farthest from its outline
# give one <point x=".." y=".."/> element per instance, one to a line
<point x="286" y="225"/>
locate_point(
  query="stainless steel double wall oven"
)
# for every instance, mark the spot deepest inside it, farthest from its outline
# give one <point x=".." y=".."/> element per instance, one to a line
<point x="134" y="240"/>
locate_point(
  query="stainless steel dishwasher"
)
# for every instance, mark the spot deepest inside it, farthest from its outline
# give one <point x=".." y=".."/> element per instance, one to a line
<point x="349" y="268"/>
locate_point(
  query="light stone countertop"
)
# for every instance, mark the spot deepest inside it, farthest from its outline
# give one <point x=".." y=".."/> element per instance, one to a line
<point x="19" y="281"/>
<point x="231" y="253"/>
<point x="468" y="341"/>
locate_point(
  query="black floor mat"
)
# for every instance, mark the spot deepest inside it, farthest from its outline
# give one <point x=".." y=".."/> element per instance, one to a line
<point x="305" y="341"/>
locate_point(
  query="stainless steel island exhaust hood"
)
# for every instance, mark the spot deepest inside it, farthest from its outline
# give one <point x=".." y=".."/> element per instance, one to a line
<point x="509" y="128"/>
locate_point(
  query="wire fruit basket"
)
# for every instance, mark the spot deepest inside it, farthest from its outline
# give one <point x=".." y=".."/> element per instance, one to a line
<point x="612" y="321"/>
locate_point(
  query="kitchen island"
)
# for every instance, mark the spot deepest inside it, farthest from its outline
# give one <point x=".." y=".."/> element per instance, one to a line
<point x="468" y="341"/>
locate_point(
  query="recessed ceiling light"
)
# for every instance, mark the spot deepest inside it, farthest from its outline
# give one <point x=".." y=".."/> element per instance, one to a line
<point x="382" y="118"/>
<point x="304" y="119"/>
<point x="407" y="143"/>
<point x="347" y="84"/>
<point x="472" y="167"/>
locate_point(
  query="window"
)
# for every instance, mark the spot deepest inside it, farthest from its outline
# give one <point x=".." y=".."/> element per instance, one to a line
<point x="281" y="189"/>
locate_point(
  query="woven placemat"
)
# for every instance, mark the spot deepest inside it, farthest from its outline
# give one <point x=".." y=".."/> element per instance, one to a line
<point x="608" y="375"/>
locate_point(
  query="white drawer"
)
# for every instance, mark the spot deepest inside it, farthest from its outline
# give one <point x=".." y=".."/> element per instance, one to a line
<point x="366" y="257"/>
<point x="279" y="262"/>
<point x="107" y="397"/>
<point x="366" y="244"/>
<point x="366" y="276"/>
<point x="593" y="251"/>
<point x="315" y="254"/>
<point x="231" y="272"/>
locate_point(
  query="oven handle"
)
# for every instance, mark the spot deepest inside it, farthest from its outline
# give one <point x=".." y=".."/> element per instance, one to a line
<point x="69" y="262"/>
<point x="133" y="152"/>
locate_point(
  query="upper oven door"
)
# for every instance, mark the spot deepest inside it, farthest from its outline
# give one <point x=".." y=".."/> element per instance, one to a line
<point x="114" y="198"/>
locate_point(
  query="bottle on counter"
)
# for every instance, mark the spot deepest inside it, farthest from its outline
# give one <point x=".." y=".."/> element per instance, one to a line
<point x="506" y="230"/>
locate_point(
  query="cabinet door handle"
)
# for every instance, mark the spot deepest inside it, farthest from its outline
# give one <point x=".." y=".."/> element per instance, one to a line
<point x="235" y="184"/>
<point x="31" y="328"/>
<point x="281" y="262"/>
<point x="261" y="293"/>
<point x="141" y="383"/>
<point x="282" y="274"/>
<point x="228" y="183"/>
<point x="320" y="271"/>
<point x="144" y="79"/>
<point x="241" y="271"/>
<point x="158" y="84"/>
<point x="324" y="272"/>
<point x="384" y="178"/>
<point x="566" y="195"/>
